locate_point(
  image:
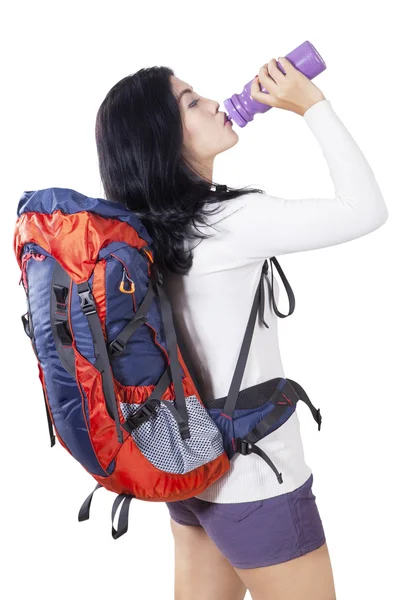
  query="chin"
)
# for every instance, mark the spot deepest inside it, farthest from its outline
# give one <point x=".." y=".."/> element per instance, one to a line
<point x="234" y="139"/>
<point x="229" y="143"/>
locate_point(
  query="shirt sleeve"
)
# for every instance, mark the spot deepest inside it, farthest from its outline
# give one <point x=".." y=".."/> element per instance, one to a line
<point x="265" y="225"/>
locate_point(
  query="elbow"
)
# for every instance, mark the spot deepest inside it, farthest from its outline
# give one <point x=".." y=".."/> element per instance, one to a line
<point x="379" y="219"/>
<point x="384" y="215"/>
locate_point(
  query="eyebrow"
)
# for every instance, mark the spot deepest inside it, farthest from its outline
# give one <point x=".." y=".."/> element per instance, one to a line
<point x="184" y="92"/>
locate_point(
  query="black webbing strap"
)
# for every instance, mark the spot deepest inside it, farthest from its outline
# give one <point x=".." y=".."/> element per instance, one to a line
<point x="61" y="284"/>
<point x="288" y="289"/>
<point x="102" y="363"/>
<point x="244" y="446"/>
<point x="188" y="361"/>
<point x="122" y="527"/>
<point x="232" y="396"/>
<point x="316" y="413"/>
<point x="262" y="428"/>
<point x="142" y="415"/>
<point x="258" y="302"/>
<point x="123" y="518"/>
<point x="119" y="344"/>
<point x="49" y="423"/>
<point x="84" y="510"/>
<point x="170" y="336"/>
<point x="152" y="402"/>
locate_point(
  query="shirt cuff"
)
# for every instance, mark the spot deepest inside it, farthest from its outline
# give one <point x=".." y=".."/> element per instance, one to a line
<point x="319" y="107"/>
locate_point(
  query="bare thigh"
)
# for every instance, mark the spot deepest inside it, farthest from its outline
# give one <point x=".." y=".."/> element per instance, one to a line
<point x="201" y="571"/>
<point x="308" y="577"/>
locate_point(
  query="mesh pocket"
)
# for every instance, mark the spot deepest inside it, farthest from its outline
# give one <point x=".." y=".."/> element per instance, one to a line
<point x="161" y="443"/>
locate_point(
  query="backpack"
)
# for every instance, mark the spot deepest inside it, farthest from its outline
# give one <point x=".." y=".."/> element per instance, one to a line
<point x="119" y="389"/>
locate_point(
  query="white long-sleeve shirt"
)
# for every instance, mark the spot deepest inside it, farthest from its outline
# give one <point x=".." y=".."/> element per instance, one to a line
<point x="212" y="303"/>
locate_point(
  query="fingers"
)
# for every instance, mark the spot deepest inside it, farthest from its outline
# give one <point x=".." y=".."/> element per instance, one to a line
<point x="271" y="77"/>
<point x="275" y="72"/>
<point x="260" y="96"/>
<point x="266" y="80"/>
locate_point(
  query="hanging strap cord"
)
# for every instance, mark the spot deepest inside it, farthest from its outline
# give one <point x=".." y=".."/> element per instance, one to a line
<point x="123" y="518"/>
<point x="122" y="527"/>
<point x="288" y="289"/>
<point x="84" y="511"/>
<point x="258" y="303"/>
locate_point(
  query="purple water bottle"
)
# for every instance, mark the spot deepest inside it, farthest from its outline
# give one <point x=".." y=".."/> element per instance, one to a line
<point x="241" y="108"/>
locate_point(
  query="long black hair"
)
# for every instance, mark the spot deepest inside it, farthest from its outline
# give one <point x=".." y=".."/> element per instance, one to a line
<point x="139" y="138"/>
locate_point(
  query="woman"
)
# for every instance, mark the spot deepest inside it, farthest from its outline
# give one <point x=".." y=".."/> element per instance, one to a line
<point x="157" y="140"/>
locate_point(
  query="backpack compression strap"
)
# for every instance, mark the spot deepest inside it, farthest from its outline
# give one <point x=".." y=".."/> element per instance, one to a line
<point x="172" y="372"/>
<point x="102" y="363"/>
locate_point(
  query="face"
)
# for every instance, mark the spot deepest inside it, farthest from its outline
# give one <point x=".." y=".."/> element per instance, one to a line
<point x="204" y="131"/>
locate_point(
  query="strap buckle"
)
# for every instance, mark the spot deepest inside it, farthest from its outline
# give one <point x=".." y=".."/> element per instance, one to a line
<point x="147" y="409"/>
<point x="116" y="347"/>
<point x="87" y="302"/>
<point x="243" y="446"/>
<point x="184" y="431"/>
<point x="141" y="416"/>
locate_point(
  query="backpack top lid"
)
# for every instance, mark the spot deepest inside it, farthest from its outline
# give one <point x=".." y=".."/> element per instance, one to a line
<point x="74" y="227"/>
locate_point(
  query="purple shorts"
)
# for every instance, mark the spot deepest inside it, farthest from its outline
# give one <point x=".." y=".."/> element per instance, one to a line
<point x="259" y="533"/>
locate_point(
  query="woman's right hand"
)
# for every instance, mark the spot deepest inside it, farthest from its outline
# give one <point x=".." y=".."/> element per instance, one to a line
<point x="293" y="91"/>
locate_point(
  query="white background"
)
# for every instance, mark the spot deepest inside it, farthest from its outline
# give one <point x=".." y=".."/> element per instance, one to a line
<point x="58" y="62"/>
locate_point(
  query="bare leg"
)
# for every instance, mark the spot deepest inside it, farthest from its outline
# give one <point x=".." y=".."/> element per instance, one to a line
<point x="308" y="577"/>
<point x="201" y="571"/>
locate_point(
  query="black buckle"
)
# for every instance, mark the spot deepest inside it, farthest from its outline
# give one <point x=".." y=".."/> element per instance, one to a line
<point x="147" y="409"/>
<point x="141" y="415"/>
<point x="116" y="347"/>
<point x="61" y="293"/>
<point x="87" y="302"/>
<point x="243" y="446"/>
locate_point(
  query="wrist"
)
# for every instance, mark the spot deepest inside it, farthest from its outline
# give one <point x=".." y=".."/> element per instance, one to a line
<point x="322" y="97"/>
